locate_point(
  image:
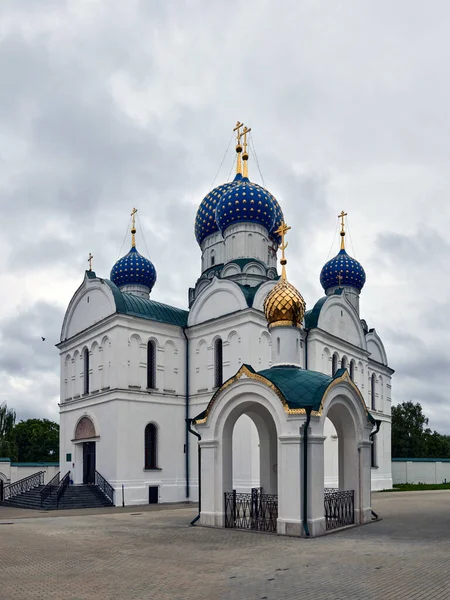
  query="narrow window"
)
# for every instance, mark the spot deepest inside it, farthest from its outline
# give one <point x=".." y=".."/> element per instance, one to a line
<point x="352" y="370"/>
<point x="213" y="258"/>
<point x="86" y="370"/>
<point x="334" y="364"/>
<point x="151" y="447"/>
<point x="218" y="363"/>
<point x="344" y="362"/>
<point x="373" y="390"/>
<point x="151" y="365"/>
<point x="278" y="346"/>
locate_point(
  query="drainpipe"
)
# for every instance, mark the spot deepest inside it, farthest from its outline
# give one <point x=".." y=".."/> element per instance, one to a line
<point x="188" y="428"/>
<point x="186" y="415"/>
<point x="371" y="436"/>
<point x="305" y="470"/>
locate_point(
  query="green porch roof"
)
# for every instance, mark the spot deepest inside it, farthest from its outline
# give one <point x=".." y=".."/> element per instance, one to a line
<point x="299" y="387"/>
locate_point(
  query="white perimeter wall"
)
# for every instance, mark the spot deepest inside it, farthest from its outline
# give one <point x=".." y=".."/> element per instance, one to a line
<point x="409" y="471"/>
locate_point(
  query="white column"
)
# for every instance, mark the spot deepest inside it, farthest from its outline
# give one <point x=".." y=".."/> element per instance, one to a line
<point x="289" y="498"/>
<point x="210" y="508"/>
<point x="316" y="507"/>
<point x="363" y="504"/>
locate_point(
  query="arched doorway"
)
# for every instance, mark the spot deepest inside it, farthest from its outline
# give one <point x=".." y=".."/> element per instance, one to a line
<point x="256" y="508"/>
<point x="85" y="435"/>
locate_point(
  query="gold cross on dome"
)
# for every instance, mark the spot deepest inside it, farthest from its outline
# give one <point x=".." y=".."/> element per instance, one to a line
<point x="90" y="261"/>
<point x="341" y="216"/>
<point x="282" y="230"/>
<point x="340" y="278"/>
<point x="133" y="227"/>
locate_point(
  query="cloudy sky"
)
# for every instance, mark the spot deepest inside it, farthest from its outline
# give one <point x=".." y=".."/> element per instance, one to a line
<point x="108" y="105"/>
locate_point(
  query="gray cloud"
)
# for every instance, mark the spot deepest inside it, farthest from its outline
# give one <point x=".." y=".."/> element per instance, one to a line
<point x="105" y="107"/>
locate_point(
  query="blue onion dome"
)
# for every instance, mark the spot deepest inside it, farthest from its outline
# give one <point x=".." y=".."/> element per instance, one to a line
<point x="343" y="270"/>
<point x="279" y="219"/>
<point x="133" y="269"/>
<point x="205" y="220"/>
<point x="246" y="201"/>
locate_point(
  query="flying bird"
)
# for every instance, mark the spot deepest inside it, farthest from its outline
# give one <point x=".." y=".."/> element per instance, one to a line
<point x="43" y="338"/>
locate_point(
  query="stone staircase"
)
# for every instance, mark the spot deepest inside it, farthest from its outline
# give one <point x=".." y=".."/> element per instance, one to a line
<point x="75" y="496"/>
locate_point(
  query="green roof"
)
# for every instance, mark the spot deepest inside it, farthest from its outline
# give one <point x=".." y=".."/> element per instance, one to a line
<point x="241" y="262"/>
<point x="300" y="388"/>
<point x="249" y="292"/>
<point x="144" y="308"/>
<point x="35" y="464"/>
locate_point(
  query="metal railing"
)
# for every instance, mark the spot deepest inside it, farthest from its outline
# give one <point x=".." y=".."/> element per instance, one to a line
<point x="63" y="484"/>
<point x="255" y="511"/>
<point x="23" y="485"/>
<point x="339" y="508"/>
<point x="51" y="485"/>
<point x="106" y="487"/>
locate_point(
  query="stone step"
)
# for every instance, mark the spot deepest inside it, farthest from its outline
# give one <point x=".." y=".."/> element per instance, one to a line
<point x="82" y="496"/>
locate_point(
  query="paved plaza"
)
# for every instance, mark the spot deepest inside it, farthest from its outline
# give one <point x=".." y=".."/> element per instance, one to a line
<point x="154" y="555"/>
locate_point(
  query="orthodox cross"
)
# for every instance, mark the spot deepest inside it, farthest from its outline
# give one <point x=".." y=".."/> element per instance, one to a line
<point x="282" y="230"/>
<point x="90" y="261"/>
<point x="341" y="216"/>
<point x="133" y="227"/>
<point x="340" y="277"/>
<point x="245" y="153"/>
<point x="238" y="146"/>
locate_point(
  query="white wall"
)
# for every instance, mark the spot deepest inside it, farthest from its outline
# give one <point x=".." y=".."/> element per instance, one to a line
<point x="12" y="472"/>
<point x="420" y="471"/>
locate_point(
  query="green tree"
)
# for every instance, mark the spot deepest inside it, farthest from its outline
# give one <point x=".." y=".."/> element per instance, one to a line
<point x="410" y="439"/>
<point x="8" y="446"/>
<point x="37" y="440"/>
<point x="408" y="434"/>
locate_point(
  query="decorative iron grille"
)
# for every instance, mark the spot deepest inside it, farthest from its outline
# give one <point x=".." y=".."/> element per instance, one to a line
<point x="23" y="485"/>
<point x="339" y="508"/>
<point x="255" y="511"/>
<point x="105" y="486"/>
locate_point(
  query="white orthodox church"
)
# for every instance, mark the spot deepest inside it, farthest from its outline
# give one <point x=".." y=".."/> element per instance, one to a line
<point x="138" y="377"/>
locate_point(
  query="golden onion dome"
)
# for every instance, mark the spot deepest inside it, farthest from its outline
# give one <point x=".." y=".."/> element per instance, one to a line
<point x="284" y="305"/>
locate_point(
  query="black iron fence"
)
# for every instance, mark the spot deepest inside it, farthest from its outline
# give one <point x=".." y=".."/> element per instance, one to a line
<point x="23" y="485"/>
<point x="255" y="511"/>
<point x="339" y="508"/>
<point x="106" y="487"/>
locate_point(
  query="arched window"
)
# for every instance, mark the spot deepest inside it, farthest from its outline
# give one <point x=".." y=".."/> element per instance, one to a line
<point x="151" y="365"/>
<point x="352" y="370"/>
<point x="151" y="447"/>
<point x="213" y="258"/>
<point x="86" y="370"/>
<point x="334" y="366"/>
<point x="373" y="390"/>
<point x="218" y="363"/>
<point x="278" y="346"/>
<point x="344" y="362"/>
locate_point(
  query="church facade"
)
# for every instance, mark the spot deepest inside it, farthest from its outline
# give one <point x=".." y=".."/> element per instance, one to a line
<point x="135" y="372"/>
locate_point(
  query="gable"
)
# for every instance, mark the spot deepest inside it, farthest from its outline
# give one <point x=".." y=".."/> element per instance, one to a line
<point x="338" y="317"/>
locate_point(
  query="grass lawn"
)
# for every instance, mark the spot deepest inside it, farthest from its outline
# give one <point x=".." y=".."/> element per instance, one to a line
<point x="413" y="487"/>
